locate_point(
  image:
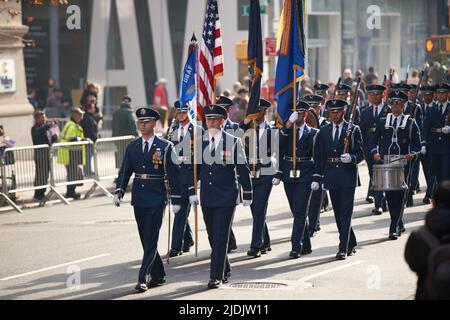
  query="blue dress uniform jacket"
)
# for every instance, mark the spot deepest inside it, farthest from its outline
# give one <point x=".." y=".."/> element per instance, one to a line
<point x="408" y="137"/>
<point x="426" y="159"/>
<point x="219" y="181"/>
<point x="304" y="153"/>
<point x="414" y="110"/>
<point x="438" y="143"/>
<point x="337" y="175"/>
<point x="348" y="112"/>
<point x="150" y="192"/>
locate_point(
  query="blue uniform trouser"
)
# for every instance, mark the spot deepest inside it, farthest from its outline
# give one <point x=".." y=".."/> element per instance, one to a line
<point x="149" y="222"/>
<point x="298" y="196"/>
<point x="441" y="167"/>
<point x="377" y="195"/>
<point x="430" y="177"/>
<point x="218" y="225"/>
<point x="182" y="233"/>
<point x="342" y="200"/>
<point x="260" y="233"/>
<point x="314" y="209"/>
<point x="395" y="203"/>
<point x="414" y="179"/>
<point x="232" y="239"/>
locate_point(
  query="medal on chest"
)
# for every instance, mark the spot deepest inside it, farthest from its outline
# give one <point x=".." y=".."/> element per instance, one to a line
<point x="157" y="159"/>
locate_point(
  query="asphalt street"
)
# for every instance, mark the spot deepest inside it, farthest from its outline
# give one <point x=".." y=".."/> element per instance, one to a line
<point x="91" y="250"/>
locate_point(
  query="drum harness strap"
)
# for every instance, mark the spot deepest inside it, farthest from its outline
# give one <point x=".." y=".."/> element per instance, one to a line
<point x="395" y="134"/>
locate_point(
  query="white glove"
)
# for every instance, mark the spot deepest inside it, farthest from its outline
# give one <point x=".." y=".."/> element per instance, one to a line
<point x="276" y="181"/>
<point x="315" y="186"/>
<point x="424" y="150"/>
<point x="116" y="200"/>
<point x="294" y="117"/>
<point x="176" y="208"/>
<point x="346" y="158"/>
<point x="193" y="200"/>
<point x="246" y="203"/>
<point x="446" y="130"/>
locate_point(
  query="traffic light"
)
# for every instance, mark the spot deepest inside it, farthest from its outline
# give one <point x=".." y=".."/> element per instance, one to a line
<point x="438" y="44"/>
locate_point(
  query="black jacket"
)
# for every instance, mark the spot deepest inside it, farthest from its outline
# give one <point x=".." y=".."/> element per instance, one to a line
<point x="417" y="251"/>
<point x="39" y="134"/>
<point x="90" y="126"/>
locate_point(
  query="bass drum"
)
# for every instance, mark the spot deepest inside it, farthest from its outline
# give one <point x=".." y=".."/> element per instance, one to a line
<point x="312" y="120"/>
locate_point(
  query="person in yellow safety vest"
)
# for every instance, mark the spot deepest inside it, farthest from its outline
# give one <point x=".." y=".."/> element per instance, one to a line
<point x="73" y="158"/>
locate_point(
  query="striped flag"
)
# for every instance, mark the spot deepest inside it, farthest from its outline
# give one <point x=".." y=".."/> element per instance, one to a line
<point x="210" y="58"/>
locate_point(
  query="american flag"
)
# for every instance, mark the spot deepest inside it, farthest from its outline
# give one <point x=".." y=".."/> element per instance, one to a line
<point x="211" y="58"/>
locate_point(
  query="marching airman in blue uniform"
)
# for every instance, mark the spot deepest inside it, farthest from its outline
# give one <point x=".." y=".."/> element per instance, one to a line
<point x="397" y="135"/>
<point x="322" y="90"/>
<point x="339" y="171"/>
<point x="428" y="93"/>
<point x="368" y="124"/>
<point x="233" y="129"/>
<point x="150" y="160"/>
<point x="319" y="199"/>
<point x="301" y="180"/>
<point x="261" y="153"/>
<point x="413" y="109"/>
<point x="223" y="167"/>
<point x="437" y="133"/>
<point x="181" y="134"/>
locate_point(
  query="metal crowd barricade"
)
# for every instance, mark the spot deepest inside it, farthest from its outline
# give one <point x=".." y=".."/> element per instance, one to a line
<point x="26" y="169"/>
<point x="108" y="156"/>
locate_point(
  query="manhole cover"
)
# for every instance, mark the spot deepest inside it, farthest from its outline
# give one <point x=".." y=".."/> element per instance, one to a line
<point x="257" y="285"/>
<point x="15" y="224"/>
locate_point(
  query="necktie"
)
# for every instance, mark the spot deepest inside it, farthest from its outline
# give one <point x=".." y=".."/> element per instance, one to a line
<point x="441" y="107"/>
<point x="146" y="148"/>
<point x="213" y="147"/>
<point x="336" y="135"/>
<point x="395" y="124"/>
<point x="181" y="134"/>
<point x="375" y="114"/>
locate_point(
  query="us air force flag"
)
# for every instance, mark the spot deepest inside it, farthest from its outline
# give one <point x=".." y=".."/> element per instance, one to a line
<point x="188" y="90"/>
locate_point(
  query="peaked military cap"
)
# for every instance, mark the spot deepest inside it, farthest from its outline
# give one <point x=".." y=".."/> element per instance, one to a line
<point x="215" y="111"/>
<point x="177" y="106"/>
<point x="321" y="88"/>
<point x="428" y="89"/>
<point x="313" y="99"/>
<point x="224" y="101"/>
<point x="336" y="105"/>
<point x="397" y="96"/>
<point x="344" y="88"/>
<point x="264" y="104"/>
<point x="403" y="87"/>
<point x="147" y="114"/>
<point x="375" y="89"/>
<point x="442" y="87"/>
<point x="301" y="106"/>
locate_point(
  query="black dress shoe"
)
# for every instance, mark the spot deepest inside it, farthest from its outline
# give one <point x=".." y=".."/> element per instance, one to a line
<point x="294" y="254"/>
<point x="409" y="204"/>
<point x="255" y="253"/>
<point x="187" y="247"/>
<point x="156" y="283"/>
<point x="341" y="255"/>
<point x="370" y="200"/>
<point x="384" y="206"/>
<point x="393" y="236"/>
<point x="174" y="253"/>
<point x="312" y="234"/>
<point x="226" y="277"/>
<point x="232" y="249"/>
<point x="318" y="226"/>
<point x="377" y="212"/>
<point x="351" y="252"/>
<point x="141" y="287"/>
<point x="426" y="200"/>
<point x="214" y="284"/>
<point x="266" y="250"/>
<point x="305" y="252"/>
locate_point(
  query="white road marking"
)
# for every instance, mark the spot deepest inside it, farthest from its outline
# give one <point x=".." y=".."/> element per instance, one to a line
<point x="315" y="275"/>
<point x="55" y="267"/>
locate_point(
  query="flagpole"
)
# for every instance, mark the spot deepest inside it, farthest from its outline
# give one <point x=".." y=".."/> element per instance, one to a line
<point x="294" y="149"/>
<point x="195" y="150"/>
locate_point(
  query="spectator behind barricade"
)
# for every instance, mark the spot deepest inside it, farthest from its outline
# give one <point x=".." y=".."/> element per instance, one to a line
<point x="91" y="89"/>
<point x="73" y="158"/>
<point x="32" y="99"/>
<point x="236" y="87"/>
<point x="160" y="100"/>
<point x="42" y="133"/>
<point x="234" y="107"/>
<point x="90" y="128"/>
<point x="50" y="88"/>
<point x="414" y="78"/>
<point x="57" y="106"/>
<point x="242" y="106"/>
<point x="347" y="77"/>
<point x="5" y="143"/>
<point x="421" y="253"/>
<point x="372" y="77"/>
<point x="124" y="121"/>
